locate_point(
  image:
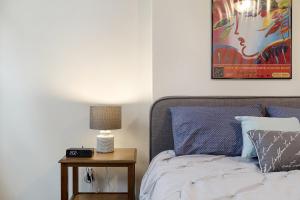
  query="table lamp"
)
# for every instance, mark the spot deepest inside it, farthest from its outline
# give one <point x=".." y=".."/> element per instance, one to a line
<point x="105" y="119"/>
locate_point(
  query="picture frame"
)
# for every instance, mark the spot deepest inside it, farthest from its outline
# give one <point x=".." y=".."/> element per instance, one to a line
<point x="251" y="39"/>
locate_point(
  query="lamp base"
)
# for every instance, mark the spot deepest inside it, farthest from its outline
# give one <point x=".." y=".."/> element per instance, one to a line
<point x="105" y="143"/>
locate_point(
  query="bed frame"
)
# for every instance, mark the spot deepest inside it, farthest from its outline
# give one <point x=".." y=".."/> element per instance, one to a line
<point x="161" y="137"/>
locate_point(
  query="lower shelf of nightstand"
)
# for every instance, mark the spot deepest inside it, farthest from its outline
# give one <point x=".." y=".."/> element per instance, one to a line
<point x="100" y="196"/>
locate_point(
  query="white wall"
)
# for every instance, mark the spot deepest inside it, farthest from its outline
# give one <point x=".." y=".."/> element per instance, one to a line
<point x="56" y="58"/>
<point x="182" y="52"/>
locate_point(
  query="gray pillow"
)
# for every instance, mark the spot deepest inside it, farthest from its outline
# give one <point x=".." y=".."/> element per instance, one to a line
<point x="276" y="150"/>
<point x="277" y="111"/>
<point x="209" y="130"/>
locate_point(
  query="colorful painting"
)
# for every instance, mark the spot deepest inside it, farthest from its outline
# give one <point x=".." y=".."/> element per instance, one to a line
<point x="252" y="39"/>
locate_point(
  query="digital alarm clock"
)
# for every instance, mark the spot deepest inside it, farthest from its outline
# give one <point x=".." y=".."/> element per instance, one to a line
<point x="79" y="152"/>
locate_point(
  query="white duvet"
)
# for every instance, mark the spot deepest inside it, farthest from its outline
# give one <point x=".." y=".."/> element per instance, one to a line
<point x="205" y="177"/>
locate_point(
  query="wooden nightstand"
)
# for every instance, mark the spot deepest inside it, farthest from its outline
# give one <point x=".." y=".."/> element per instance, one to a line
<point x="119" y="158"/>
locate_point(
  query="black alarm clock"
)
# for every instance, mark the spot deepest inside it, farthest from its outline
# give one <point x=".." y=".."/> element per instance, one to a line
<point x="79" y="152"/>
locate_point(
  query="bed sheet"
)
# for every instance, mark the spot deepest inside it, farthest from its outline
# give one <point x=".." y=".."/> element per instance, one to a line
<point x="209" y="177"/>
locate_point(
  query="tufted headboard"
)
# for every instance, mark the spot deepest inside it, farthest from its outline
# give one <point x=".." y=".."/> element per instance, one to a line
<point x="161" y="137"/>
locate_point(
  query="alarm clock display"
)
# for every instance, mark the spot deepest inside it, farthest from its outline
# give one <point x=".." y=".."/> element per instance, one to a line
<point x="79" y="152"/>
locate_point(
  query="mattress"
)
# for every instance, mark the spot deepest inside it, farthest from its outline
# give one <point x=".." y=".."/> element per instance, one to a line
<point x="208" y="177"/>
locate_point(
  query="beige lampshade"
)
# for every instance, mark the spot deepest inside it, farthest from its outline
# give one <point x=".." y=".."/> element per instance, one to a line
<point x="105" y="117"/>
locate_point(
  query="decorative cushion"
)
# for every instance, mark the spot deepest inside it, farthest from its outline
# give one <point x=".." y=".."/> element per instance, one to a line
<point x="209" y="130"/>
<point x="276" y="150"/>
<point x="276" y="111"/>
<point x="263" y="123"/>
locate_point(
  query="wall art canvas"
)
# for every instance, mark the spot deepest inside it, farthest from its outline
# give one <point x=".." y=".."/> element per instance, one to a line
<point x="251" y="39"/>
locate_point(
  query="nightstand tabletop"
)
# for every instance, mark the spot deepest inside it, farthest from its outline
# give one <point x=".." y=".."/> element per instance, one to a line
<point x="119" y="156"/>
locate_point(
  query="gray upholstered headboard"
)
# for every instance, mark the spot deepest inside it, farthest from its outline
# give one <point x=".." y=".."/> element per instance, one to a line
<point x="161" y="137"/>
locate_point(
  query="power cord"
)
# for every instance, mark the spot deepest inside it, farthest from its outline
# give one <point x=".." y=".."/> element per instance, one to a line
<point x="89" y="178"/>
<point x="89" y="175"/>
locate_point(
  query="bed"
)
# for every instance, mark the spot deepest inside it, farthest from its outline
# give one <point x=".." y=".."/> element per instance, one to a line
<point x="210" y="177"/>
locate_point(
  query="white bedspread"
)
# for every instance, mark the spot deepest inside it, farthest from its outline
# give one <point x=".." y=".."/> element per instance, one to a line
<point x="204" y="177"/>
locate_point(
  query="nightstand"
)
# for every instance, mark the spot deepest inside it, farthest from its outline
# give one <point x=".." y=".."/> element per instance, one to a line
<point x="121" y="157"/>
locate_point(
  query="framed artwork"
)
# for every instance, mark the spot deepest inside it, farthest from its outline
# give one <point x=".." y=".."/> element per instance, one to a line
<point x="251" y="39"/>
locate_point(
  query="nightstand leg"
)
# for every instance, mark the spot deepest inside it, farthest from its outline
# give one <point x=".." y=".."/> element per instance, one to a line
<point x="131" y="182"/>
<point x="75" y="180"/>
<point x="64" y="182"/>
